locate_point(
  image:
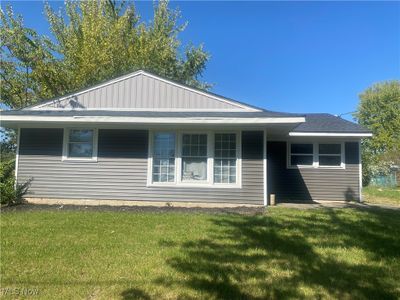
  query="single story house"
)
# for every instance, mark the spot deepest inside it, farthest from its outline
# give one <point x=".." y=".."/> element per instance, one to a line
<point x="141" y="138"/>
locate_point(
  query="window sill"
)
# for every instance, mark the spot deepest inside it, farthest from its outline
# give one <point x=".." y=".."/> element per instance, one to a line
<point x="194" y="185"/>
<point x="317" y="167"/>
<point x="79" y="160"/>
<point x="332" y="167"/>
<point x="301" y="167"/>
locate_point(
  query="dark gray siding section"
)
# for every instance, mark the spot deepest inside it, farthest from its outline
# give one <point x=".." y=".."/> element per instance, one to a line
<point x="120" y="172"/>
<point x="144" y="92"/>
<point x="307" y="184"/>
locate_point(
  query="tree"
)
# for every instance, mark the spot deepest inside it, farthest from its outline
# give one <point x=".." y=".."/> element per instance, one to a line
<point x="379" y="111"/>
<point x="92" y="41"/>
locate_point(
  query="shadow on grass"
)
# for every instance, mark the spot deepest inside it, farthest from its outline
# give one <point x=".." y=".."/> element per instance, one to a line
<point x="292" y="255"/>
<point x="134" y="293"/>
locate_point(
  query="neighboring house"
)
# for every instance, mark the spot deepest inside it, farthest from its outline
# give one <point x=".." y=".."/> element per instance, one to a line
<point x="141" y="137"/>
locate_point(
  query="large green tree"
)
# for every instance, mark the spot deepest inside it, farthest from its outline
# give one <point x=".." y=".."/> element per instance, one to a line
<point x="379" y="111"/>
<point x="92" y="41"/>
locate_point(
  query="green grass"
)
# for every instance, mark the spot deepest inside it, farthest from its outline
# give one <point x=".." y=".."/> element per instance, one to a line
<point x="286" y="253"/>
<point x="380" y="195"/>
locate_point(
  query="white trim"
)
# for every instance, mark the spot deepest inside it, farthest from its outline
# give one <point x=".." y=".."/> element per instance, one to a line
<point x="66" y="158"/>
<point x="265" y="167"/>
<point x="210" y="159"/>
<point x="149" y="120"/>
<point x="149" y="109"/>
<point x="359" y="173"/>
<point x="209" y="183"/>
<point x="334" y="134"/>
<point x="17" y="158"/>
<point x="315" y="155"/>
<point x="289" y="154"/>
<point x="342" y="155"/>
<point x="141" y="72"/>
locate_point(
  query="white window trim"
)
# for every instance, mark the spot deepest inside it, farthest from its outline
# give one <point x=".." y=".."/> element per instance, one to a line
<point x="238" y="159"/>
<point x="209" y="183"/>
<point x="315" y="155"/>
<point x="342" y="156"/>
<point x="150" y="159"/>
<point x="65" y="156"/>
<point x="289" y="155"/>
<point x="178" y="152"/>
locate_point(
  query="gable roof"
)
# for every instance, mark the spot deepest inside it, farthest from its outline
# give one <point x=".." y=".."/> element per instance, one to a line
<point x="142" y="97"/>
<point x="144" y="91"/>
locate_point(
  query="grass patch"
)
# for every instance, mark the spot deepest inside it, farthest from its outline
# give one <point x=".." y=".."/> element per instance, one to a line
<point x="286" y="253"/>
<point x="381" y="195"/>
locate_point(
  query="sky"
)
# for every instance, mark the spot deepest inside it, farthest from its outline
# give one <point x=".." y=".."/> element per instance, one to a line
<point x="283" y="56"/>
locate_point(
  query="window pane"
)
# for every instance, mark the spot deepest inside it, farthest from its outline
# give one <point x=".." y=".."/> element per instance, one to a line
<point x="164" y="157"/>
<point x="164" y="145"/>
<point x="225" y="171"/>
<point x="194" y="157"/>
<point x="225" y="158"/>
<point x="329" y="160"/>
<point x="194" y="169"/>
<point x="301" y="148"/>
<point x="80" y="150"/>
<point x="301" y="160"/>
<point x="329" y="148"/>
<point x="81" y="135"/>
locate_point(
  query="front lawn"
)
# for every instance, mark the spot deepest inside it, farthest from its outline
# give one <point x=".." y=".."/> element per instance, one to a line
<point x="381" y="195"/>
<point x="285" y="253"/>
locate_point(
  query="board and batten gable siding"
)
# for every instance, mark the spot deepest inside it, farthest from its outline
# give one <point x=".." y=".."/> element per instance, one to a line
<point x="305" y="184"/>
<point x="121" y="170"/>
<point x="141" y="92"/>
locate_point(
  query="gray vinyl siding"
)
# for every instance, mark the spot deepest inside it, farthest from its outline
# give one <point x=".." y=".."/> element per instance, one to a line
<point x="306" y="184"/>
<point x="141" y="92"/>
<point x="121" y="170"/>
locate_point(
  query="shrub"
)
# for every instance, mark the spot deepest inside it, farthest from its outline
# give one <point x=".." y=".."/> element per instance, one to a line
<point x="9" y="193"/>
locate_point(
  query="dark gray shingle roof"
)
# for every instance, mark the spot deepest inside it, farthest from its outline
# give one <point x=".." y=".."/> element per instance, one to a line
<point x="314" y="122"/>
<point x="328" y="123"/>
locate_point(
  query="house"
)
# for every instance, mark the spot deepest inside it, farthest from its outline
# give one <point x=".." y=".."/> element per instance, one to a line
<point x="141" y="138"/>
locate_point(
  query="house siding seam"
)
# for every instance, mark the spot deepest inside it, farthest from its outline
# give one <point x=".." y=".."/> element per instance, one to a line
<point x="121" y="170"/>
<point x="141" y="92"/>
<point x="305" y="184"/>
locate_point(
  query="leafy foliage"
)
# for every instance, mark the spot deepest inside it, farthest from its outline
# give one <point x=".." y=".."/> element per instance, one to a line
<point x="9" y="193"/>
<point x="379" y="110"/>
<point x="93" y="41"/>
<point x="7" y="144"/>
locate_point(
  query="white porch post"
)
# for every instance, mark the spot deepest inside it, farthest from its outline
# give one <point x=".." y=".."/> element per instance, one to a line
<point x="17" y="158"/>
<point x="360" y="172"/>
<point x="265" y="168"/>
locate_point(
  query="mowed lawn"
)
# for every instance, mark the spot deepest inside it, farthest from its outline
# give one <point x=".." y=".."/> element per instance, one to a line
<point x="382" y="195"/>
<point x="284" y="253"/>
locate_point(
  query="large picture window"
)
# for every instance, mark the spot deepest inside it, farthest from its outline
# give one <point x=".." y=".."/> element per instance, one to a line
<point x="164" y="157"/>
<point x="190" y="159"/>
<point x="194" y="157"/>
<point x="225" y="158"/>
